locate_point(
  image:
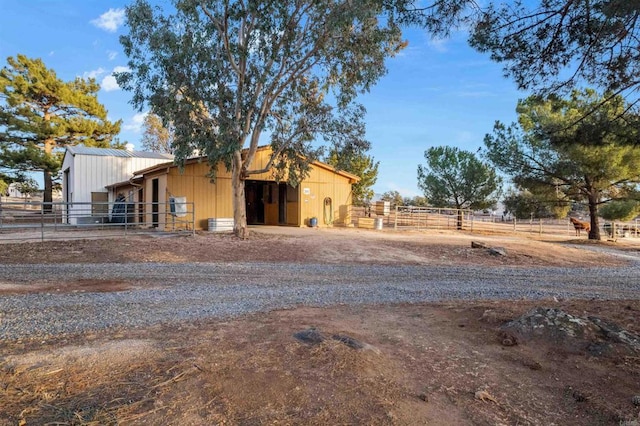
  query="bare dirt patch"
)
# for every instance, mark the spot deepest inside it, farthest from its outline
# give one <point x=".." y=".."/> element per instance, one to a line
<point x="342" y="245"/>
<point x="70" y="286"/>
<point x="421" y="364"/>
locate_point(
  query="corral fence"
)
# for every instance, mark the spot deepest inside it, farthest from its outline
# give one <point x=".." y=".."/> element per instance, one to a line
<point x="417" y="218"/>
<point x="23" y="220"/>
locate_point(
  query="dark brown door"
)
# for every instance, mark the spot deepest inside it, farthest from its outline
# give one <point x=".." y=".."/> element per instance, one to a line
<point x="282" y="204"/>
<point x="155" y="191"/>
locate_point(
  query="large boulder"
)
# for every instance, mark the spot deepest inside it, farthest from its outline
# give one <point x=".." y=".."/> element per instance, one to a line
<point x="575" y="334"/>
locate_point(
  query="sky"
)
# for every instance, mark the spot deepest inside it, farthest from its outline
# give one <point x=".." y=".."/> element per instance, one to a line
<point x="436" y="92"/>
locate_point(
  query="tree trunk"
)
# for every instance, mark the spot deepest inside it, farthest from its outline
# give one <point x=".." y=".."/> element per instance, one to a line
<point x="239" y="202"/>
<point x="47" y="196"/>
<point x="460" y="217"/>
<point x="594" y="232"/>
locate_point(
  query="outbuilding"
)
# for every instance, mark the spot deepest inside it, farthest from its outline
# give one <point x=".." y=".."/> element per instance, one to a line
<point x="324" y="198"/>
<point x="87" y="171"/>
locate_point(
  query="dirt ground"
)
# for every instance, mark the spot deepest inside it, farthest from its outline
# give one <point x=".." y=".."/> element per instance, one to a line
<point x="440" y="364"/>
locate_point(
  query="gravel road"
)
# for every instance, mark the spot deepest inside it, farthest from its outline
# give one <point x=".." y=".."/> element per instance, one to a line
<point x="179" y="292"/>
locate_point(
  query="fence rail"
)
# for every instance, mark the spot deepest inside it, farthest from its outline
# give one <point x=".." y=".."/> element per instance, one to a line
<point x="467" y="220"/>
<point x="20" y="220"/>
<point x="417" y="218"/>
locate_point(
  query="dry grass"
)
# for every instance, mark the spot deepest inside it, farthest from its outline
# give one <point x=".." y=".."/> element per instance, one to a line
<point x="424" y="365"/>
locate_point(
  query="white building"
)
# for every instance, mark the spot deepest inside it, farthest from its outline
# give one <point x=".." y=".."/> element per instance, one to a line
<point x="14" y="191"/>
<point x="86" y="171"/>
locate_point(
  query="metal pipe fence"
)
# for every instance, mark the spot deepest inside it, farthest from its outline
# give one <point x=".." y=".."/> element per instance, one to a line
<point x="39" y="220"/>
<point x="408" y="217"/>
<point x="423" y="218"/>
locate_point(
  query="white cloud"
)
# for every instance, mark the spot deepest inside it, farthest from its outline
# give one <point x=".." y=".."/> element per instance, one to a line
<point x="135" y="124"/>
<point x="109" y="83"/>
<point x="52" y="53"/>
<point x="110" y="21"/>
<point x="111" y="54"/>
<point x="93" y="73"/>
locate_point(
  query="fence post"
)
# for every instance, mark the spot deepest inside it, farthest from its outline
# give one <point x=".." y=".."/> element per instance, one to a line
<point x="42" y="222"/>
<point x="193" y="218"/>
<point x="395" y="224"/>
<point x="540" y="226"/>
<point x="515" y="226"/>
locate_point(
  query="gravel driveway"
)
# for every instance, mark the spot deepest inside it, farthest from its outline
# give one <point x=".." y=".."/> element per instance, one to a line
<point x="178" y="292"/>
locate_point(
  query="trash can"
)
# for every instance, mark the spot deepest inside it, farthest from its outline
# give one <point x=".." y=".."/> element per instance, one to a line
<point x="313" y="222"/>
<point x="377" y="223"/>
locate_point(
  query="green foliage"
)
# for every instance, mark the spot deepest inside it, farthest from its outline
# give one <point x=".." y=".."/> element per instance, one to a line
<point x="623" y="210"/>
<point x="224" y="72"/>
<point x="41" y="114"/>
<point x="360" y="165"/>
<point x="227" y="72"/>
<point x="416" y="201"/>
<point x="589" y="160"/>
<point x="556" y="43"/>
<point x="457" y="179"/>
<point x="156" y="137"/>
<point x="4" y="186"/>
<point x="394" y="198"/>
<point x="540" y="203"/>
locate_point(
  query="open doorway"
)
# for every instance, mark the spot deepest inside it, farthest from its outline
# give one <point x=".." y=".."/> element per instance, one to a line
<point x="282" y="204"/>
<point x="255" y="198"/>
<point x="270" y="203"/>
<point x="155" y="200"/>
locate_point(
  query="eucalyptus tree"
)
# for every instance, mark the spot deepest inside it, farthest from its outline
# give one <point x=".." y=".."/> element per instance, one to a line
<point x="578" y="146"/>
<point x="40" y="115"/>
<point x="231" y="73"/>
<point x="458" y="179"/>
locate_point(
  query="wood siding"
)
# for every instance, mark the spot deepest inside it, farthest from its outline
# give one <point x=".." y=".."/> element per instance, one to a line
<point x="214" y="200"/>
<point x="325" y="185"/>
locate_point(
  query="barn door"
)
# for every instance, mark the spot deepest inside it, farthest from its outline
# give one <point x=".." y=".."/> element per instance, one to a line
<point x="282" y="204"/>
<point x="254" y="194"/>
<point x="155" y="200"/>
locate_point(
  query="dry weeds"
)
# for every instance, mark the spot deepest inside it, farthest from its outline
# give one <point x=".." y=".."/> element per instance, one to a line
<point x="425" y="363"/>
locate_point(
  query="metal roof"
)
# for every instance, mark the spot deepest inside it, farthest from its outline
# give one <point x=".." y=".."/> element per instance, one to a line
<point x="112" y="152"/>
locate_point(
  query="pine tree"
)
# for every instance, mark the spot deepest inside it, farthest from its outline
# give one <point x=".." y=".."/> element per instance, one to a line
<point x="361" y="165"/>
<point x="40" y="115"/>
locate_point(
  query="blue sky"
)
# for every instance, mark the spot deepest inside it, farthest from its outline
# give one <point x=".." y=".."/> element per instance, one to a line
<point x="437" y="92"/>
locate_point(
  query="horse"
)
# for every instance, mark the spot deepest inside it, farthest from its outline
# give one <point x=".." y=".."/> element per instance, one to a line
<point x="579" y="225"/>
